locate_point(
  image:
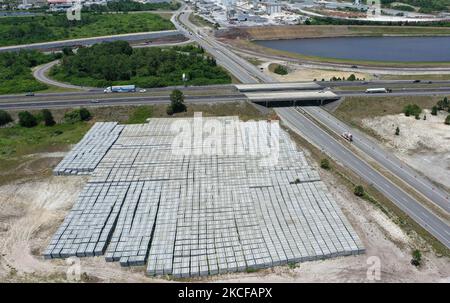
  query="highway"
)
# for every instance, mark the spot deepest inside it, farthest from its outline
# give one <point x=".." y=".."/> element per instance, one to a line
<point x="117" y="99"/>
<point x="93" y="40"/>
<point x="308" y="129"/>
<point x="313" y="132"/>
<point x="383" y="157"/>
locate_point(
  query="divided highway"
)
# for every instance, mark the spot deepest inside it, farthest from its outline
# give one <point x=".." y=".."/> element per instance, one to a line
<point x="383" y="157"/>
<point x="248" y="73"/>
<point x="306" y="128"/>
<point x="116" y="100"/>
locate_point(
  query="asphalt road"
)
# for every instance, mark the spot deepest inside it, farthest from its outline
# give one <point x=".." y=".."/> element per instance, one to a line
<point x="93" y="40"/>
<point x="313" y="132"/>
<point x="305" y="127"/>
<point x="240" y="68"/>
<point x="115" y="100"/>
<point x="383" y="157"/>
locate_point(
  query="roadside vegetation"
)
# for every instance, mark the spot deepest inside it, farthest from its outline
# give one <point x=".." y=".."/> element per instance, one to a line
<point x="425" y="6"/>
<point x="15" y="71"/>
<point x="23" y="30"/>
<point x="117" y="63"/>
<point x="128" y="6"/>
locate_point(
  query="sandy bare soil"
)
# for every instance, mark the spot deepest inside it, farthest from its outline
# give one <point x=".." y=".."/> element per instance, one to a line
<point x="297" y="73"/>
<point x="423" y="144"/>
<point x="31" y="210"/>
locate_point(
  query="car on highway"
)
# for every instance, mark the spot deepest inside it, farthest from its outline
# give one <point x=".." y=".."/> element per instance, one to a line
<point x="95" y="101"/>
<point x="416" y="81"/>
<point x="142" y="90"/>
<point x="29" y="94"/>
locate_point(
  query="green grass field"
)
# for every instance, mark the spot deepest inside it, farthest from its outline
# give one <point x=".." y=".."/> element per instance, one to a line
<point x="23" y="30"/>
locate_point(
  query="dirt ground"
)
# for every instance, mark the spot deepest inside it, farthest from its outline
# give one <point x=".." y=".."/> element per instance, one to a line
<point x="423" y="144"/>
<point x="32" y="208"/>
<point x="297" y="73"/>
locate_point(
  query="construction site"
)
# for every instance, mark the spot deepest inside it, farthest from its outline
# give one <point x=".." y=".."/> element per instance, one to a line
<point x="186" y="213"/>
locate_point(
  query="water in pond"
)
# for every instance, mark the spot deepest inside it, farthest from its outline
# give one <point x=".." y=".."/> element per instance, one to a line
<point x="403" y="49"/>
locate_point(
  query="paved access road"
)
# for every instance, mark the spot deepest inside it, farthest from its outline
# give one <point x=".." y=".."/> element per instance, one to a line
<point x="302" y="125"/>
<point x="383" y="157"/>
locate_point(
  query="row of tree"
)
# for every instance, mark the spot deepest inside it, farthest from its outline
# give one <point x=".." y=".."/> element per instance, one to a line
<point x="27" y="119"/>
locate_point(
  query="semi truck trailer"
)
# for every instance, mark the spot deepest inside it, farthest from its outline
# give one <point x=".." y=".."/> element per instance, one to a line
<point x="120" y="89"/>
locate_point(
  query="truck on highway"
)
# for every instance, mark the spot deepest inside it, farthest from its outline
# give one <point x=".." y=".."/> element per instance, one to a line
<point x="120" y="89"/>
<point x="378" y="90"/>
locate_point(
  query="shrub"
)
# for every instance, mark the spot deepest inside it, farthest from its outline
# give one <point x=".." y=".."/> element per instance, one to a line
<point x="447" y="120"/>
<point x="5" y="117"/>
<point x="325" y="164"/>
<point x="416" y="258"/>
<point x="352" y="77"/>
<point x="434" y="110"/>
<point x="48" y="117"/>
<point x="77" y="115"/>
<point x="412" y="110"/>
<point x="26" y="119"/>
<point x="397" y="131"/>
<point x="281" y="70"/>
<point x="359" y="191"/>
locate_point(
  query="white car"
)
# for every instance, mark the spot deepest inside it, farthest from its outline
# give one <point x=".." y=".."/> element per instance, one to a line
<point x="142" y="90"/>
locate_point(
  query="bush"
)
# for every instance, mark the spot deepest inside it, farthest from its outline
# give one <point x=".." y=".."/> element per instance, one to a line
<point x="412" y="110"/>
<point x="26" y="119"/>
<point x="416" y="258"/>
<point x="281" y="70"/>
<point x="434" y="110"/>
<point x="325" y="164"/>
<point x="397" y="131"/>
<point x="5" y="117"/>
<point x="77" y="115"/>
<point x="359" y="191"/>
<point x="352" y="77"/>
<point x="447" y="120"/>
<point x="47" y="117"/>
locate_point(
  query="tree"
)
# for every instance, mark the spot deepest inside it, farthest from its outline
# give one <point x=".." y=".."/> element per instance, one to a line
<point x="176" y="102"/>
<point x="359" y="191"/>
<point x="412" y="110"/>
<point x="416" y="258"/>
<point x="434" y="110"/>
<point x="5" y="118"/>
<point x="352" y="77"/>
<point x="67" y="51"/>
<point x="324" y="163"/>
<point x="85" y="115"/>
<point x="26" y="119"/>
<point x="48" y="117"/>
<point x="397" y="131"/>
<point x="447" y="120"/>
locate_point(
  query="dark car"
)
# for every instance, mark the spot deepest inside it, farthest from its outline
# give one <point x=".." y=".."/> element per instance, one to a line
<point x="416" y="81"/>
<point x="29" y="94"/>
